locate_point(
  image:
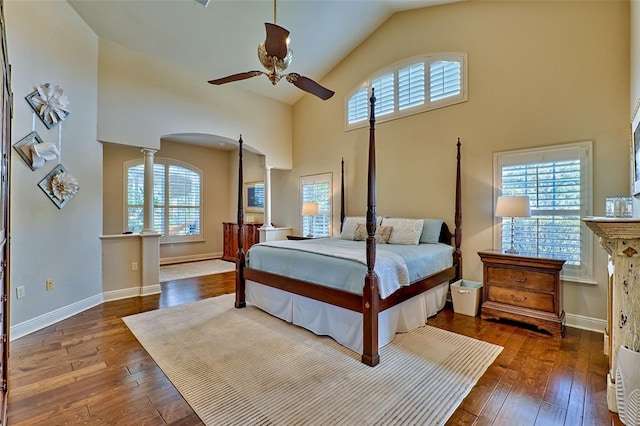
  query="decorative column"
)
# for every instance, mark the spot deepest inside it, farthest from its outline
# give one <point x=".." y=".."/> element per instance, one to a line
<point x="620" y="238"/>
<point x="147" y="226"/>
<point x="267" y="198"/>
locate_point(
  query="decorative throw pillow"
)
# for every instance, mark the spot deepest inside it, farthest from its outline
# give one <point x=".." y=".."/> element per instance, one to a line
<point x="349" y="226"/>
<point x="431" y="231"/>
<point x="405" y="231"/>
<point x="382" y="233"/>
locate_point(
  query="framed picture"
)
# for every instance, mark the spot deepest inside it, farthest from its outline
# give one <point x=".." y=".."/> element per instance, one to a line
<point x="23" y="147"/>
<point x="59" y="185"/>
<point x="635" y="128"/>
<point x="254" y="197"/>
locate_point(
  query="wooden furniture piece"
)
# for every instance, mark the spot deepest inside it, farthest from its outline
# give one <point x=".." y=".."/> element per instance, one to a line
<point x="369" y="303"/>
<point x="5" y="176"/>
<point x="251" y="236"/>
<point x="522" y="288"/>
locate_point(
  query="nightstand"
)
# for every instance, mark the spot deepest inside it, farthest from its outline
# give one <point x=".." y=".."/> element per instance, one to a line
<point x="523" y="288"/>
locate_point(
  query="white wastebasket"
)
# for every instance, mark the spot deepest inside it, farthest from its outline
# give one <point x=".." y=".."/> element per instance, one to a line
<point x="466" y="296"/>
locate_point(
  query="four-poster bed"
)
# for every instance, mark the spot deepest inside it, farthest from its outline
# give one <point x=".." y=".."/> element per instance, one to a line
<point x="374" y="308"/>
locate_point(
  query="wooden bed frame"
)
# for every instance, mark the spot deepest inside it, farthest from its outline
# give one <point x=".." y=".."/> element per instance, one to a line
<point x="369" y="303"/>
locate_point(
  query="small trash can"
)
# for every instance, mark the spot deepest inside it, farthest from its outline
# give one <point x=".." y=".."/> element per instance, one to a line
<point x="466" y="296"/>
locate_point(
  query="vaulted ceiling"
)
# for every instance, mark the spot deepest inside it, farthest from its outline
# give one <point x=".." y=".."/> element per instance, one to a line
<point x="222" y="38"/>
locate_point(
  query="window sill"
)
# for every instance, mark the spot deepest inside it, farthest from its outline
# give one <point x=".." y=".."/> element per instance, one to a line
<point x="180" y="240"/>
<point x="575" y="280"/>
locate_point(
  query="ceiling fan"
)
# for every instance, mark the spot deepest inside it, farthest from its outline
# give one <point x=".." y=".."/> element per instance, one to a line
<point x="275" y="55"/>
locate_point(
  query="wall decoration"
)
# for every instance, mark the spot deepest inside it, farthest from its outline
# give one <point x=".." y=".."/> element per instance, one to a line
<point x="254" y="197"/>
<point x="50" y="104"/>
<point x="34" y="151"/>
<point x="60" y="186"/>
<point x="23" y="147"/>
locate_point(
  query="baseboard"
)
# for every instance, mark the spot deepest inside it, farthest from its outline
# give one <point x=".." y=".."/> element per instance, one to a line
<point x="585" y="323"/>
<point x="124" y="293"/>
<point x="150" y="289"/>
<point x="190" y="258"/>
<point x="53" y="317"/>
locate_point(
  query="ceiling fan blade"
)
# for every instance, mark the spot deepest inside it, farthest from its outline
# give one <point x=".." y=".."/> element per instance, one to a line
<point x="235" y="77"/>
<point x="308" y="85"/>
<point x="276" y="42"/>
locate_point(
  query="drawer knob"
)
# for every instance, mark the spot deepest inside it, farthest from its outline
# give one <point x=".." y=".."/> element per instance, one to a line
<point x="518" y="299"/>
<point x="519" y="280"/>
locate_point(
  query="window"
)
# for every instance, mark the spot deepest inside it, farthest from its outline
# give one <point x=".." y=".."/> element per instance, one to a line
<point x="405" y="88"/>
<point x="557" y="180"/>
<point x="176" y="199"/>
<point x="317" y="189"/>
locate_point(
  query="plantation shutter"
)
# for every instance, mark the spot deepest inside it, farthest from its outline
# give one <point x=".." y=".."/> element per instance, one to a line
<point x="384" y="91"/>
<point x="559" y="192"/>
<point x="445" y="79"/>
<point x="358" y="106"/>
<point x="411" y="86"/>
<point x="317" y="189"/>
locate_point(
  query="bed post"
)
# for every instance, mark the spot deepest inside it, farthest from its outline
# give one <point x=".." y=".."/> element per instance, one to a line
<point x="342" y="195"/>
<point x="370" y="295"/>
<point x="240" y="284"/>
<point x="457" y="255"/>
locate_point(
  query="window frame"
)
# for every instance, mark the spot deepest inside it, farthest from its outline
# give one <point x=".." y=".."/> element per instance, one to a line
<point x="317" y="179"/>
<point x="428" y="105"/>
<point x="584" y="273"/>
<point x="166" y="162"/>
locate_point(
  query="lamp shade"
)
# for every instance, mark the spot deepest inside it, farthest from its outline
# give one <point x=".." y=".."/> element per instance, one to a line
<point x="516" y="206"/>
<point x="309" y="209"/>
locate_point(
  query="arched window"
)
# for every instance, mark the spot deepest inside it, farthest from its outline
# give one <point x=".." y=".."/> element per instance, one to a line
<point x="177" y="195"/>
<point x="414" y="85"/>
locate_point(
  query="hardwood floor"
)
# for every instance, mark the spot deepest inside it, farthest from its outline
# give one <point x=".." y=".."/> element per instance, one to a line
<point x="89" y="369"/>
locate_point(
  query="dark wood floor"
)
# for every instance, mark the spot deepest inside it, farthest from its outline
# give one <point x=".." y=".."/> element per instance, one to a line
<point x="89" y="369"/>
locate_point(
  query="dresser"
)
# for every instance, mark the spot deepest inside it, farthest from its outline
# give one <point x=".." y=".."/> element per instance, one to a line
<point x="522" y="288"/>
<point x="251" y="235"/>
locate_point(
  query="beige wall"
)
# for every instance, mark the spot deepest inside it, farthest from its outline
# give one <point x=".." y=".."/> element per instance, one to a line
<point x="540" y="73"/>
<point x="46" y="242"/>
<point x="142" y="99"/>
<point x="215" y="165"/>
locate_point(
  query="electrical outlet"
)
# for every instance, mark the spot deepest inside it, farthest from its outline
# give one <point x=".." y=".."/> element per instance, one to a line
<point x="20" y="292"/>
<point x="134" y="266"/>
<point x="49" y="285"/>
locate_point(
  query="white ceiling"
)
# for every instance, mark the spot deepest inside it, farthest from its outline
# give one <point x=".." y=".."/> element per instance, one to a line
<point x="222" y="38"/>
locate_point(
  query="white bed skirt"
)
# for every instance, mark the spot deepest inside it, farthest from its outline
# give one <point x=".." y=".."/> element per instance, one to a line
<point x="341" y="324"/>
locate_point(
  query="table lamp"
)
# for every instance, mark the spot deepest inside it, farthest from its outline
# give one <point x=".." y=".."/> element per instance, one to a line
<point x="310" y="209"/>
<point x="515" y="206"/>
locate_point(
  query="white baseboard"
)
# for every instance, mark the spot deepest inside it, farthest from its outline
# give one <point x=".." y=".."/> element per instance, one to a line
<point x="190" y="258"/>
<point x="38" y="323"/>
<point x="585" y="323"/>
<point x="45" y="320"/>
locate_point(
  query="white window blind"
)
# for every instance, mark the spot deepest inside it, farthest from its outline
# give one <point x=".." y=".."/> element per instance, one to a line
<point x="445" y="79"/>
<point x="317" y="189"/>
<point x="411" y="86"/>
<point x="176" y="199"/>
<point x="558" y="183"/>
<point x="402" y="89"/>
<point x="385" y="94"/>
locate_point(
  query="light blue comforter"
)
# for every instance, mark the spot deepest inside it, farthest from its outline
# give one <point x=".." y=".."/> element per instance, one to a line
<point x="339" y="263"/>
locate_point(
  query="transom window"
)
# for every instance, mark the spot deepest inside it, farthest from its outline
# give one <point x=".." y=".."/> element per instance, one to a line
<point x="415" y="85"/>
<point x="316" y="189"/>
<point x="177" y="192"/>
<point x="558" y="182"/>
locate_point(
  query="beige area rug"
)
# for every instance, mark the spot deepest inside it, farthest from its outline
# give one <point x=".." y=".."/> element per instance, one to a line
<point x="195" y="269"/>
<point x="245" y="367"/>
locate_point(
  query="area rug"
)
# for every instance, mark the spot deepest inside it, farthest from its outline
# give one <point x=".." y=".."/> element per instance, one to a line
<point x="245" y="367"/>
<point x="194" y="269"/>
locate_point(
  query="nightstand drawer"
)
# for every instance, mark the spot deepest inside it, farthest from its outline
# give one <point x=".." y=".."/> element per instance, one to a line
<point x="524" y="299"/>
<point x="519" y="278"/>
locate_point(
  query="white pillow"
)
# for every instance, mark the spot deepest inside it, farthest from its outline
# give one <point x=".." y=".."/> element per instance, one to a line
<point x="349" y="226"/>
<point x="404" y="231"/>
